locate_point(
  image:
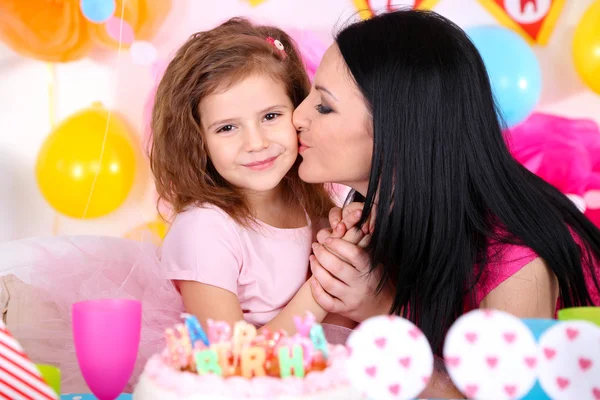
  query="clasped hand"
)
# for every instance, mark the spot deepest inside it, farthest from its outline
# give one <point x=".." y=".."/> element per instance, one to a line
<point x="342" y="281"/>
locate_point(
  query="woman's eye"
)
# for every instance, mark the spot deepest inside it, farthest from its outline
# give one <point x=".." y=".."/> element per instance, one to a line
<point x="226" y="128"/>
<point x="323" y="109"/>
<point x="271" y="116"/>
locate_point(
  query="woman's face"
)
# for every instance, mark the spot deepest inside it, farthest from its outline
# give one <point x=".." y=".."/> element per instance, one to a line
<point x="333" y="123"/>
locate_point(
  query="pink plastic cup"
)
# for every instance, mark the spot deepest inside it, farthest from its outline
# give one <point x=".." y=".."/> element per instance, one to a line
<point x="107" y="336"/>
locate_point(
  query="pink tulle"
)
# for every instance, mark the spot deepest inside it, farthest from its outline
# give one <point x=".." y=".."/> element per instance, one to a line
<point x="564" y="152"/>
<point x="64" y="270"/>
<point x="60" y="271"/>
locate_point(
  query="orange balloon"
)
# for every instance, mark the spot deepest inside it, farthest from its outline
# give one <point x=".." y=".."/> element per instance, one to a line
<point x="57" y="31"/>
<point x="144" y="17"/>
<point x="52" y="31"/>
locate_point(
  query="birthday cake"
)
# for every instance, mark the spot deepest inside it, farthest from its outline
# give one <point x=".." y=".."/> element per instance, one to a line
<point x="226" y="363"/>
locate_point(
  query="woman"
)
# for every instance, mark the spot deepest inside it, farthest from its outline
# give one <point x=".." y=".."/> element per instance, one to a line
<point x="402" y="111"/>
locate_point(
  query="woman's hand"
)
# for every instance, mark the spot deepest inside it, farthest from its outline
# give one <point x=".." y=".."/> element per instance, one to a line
<point x="344" y="284"/>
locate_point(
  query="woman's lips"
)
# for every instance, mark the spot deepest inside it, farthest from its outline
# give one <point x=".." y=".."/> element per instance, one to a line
<point x="302" y="147"/>
<point x="262" y="165"/>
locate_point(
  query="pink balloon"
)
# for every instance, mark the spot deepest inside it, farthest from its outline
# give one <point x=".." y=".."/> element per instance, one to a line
<point x="113" y="27"/>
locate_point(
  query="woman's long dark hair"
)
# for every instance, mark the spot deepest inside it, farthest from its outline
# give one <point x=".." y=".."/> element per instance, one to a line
<point x="445" y="181"/>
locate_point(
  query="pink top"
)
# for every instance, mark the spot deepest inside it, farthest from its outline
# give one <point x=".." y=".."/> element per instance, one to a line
<point x="264" y="267"/>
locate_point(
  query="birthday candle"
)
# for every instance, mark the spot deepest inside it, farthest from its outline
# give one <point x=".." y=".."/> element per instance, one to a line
<point x="243" y="334"/>
<point x="195" y="329"/>
<point x="304" y="325"/>
<point x="305" y="343"/>
<point x="207" y="361"/>
<point x="179" y="346"/>
<point x="218" y="331"/>
<point x="317" y="336"/>
<point x="223" y="351"/>
<point x="253" y="362"/>
<point x="293" y="363"/>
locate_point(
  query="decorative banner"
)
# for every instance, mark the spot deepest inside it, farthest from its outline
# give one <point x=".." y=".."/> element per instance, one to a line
<point x="19" y="377"/>
<point x="369" y="8"/>
<point x="491" y="355"/>
<point x="532" y="19"/>
<point x="390" y="358"/>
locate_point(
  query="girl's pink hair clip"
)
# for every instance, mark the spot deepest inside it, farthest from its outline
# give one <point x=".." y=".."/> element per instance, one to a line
<point x="278" y="45"/>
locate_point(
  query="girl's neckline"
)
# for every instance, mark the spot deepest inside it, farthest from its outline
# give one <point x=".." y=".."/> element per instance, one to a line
<point x="274" y="231"/>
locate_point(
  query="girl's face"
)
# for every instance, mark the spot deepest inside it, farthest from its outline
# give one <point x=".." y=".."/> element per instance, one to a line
<point x="333" y="124"/>
<point x="249" y="133"/>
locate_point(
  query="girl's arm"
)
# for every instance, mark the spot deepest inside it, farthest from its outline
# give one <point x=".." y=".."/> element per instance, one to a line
<point x="302" y="302"/>
<point x="210" y="302"/>
<point x="224" y="306"/>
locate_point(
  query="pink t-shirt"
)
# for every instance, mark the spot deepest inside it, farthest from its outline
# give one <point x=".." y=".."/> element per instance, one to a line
<point x="264" y="267"/>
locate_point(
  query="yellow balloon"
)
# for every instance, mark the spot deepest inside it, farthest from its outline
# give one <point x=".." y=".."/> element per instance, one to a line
<point x="586" y="47"/>
<point x="69" y="165"/>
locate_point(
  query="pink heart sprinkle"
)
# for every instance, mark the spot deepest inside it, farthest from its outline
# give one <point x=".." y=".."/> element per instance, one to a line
<point x="394" y="389"/>
<point x="492" y="361"/>
<point x="585" y="363"/>
<point x="572" y="333"/>
<point x="371" y="371"/>
<point x="425" y="380"/>
<point x="380" y="342"/>
<point x="405" y="362"/>
<point x="471" y="390"/>
<point x="452" y="361"/>
<point x="596" y="393"/>
<point x="562" y="382"/>
<point x="530" y="361"/>
<point x="510" y="390"/>
<point x="549" y="353"/>
<point x="349" y="351"/>
<point x="471" y="337"/>
<point x="509" y="337"/>
<point x="415" y="333"/>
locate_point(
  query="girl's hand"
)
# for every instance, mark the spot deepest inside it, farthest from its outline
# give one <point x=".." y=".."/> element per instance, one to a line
<point x="343" y="225"/>
<point x="344" y="285"/>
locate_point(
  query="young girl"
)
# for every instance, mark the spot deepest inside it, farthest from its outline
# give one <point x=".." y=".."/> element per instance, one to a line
<point x="224" y="156"/>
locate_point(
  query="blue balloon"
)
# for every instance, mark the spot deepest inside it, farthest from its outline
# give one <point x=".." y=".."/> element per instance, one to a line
<point x="513" y="69"/>
<point x="538" y="327"/>
<point x="98" y="11"/>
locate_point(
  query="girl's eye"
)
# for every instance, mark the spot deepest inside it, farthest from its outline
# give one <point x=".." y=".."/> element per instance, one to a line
<point x="271" y="116"/>
<point x="321" y="109"/>
<point x="226" y="128"/>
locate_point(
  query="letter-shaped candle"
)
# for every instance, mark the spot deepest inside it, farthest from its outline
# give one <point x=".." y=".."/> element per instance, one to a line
<point x="253" y="362"/>
<point x="291" y="363"/>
